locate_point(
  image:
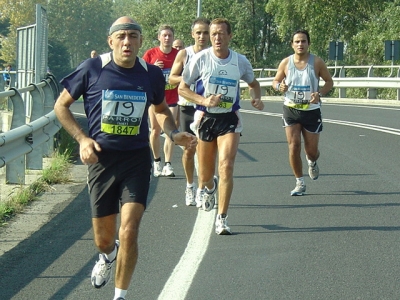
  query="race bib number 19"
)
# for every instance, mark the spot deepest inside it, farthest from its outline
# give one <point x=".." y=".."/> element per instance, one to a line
<point x="226" y="87"/>
<point x="122" y="111"/>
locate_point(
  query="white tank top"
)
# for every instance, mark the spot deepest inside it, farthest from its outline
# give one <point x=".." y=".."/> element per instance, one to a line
<point x="189" y="54"/>
<point x="301" y="84"/>
<point x="222" y="79"/>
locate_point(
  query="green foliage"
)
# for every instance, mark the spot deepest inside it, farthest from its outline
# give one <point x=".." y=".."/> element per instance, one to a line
<point x="262" y="30"/>
<point x="18" y="14"/>
<point x="325" y="20"/>
<point x="58" y="60"/>
<point x="80" y="25"/>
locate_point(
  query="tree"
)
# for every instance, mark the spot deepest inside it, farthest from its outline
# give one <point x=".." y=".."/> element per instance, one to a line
<point x="80" y="25"/>
<point x="253" y="28"/>
<point x="58" y="59"/>
<point x="325" y="20"/>
<point x="18" y="14"/>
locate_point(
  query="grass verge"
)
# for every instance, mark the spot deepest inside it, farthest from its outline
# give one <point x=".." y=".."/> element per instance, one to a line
<point x="56" y="173"/>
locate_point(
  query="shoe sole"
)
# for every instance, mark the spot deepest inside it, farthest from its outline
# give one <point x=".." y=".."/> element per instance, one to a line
<point x="98" y="286"/>
<point x="224" y="232"/>
<point x="170" y="175"/>
<point x="297" y="194"/>
<point x="209" y="205"/>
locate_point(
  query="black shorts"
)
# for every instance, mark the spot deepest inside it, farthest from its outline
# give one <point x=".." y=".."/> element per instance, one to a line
<point x="186" y="117"/>
<point x="213" y="125"/>
<point x="119" y="177"/>
<point x="311" y="120"/>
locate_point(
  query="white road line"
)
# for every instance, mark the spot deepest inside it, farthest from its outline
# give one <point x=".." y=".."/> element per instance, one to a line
<point x="389" y="130"/>
<point x="181" y="278"/>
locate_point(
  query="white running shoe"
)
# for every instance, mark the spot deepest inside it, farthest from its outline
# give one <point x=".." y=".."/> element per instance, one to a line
<point x="199" y="197"/>
<point x="209" y="199"/>
<point x="221" y="225"/>
<point x="168" y="171"/>
<point x="299" y="190"/>
<point x="101" y="272"/>
<point x="157" y="169"/>
<point x="313" y="170"/>
<point x="190" y="196"/>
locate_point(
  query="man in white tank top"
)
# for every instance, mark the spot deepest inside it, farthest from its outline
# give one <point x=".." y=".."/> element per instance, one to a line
<point x="298" y="78"/>
<point x="216" y="72"/>
<point x="201" y="36"/>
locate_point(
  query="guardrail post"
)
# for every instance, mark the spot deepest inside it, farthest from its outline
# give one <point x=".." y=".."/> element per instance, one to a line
<point x="342" y="91"/>
<point x="34" y="159"/>
<point x="371" y="92"/>
<point x="48" y="107"/>
<point x="15" y="170"/>
<point x="398" y="90"/>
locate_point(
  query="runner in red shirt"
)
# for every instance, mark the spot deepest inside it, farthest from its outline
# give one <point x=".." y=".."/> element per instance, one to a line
<point x="163" y="56"/>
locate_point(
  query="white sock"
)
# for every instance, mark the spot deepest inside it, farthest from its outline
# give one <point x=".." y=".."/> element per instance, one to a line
<point x="189" y="185"/>
<point x="310" y="162"/>
<point x="119" y="293"/>
<point x="112" y="255"/>
<point x="300" y="179"/>
<point x="212" y="190"/>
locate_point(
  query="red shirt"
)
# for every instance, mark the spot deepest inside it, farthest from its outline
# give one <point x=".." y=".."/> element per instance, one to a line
<point x="153" y="54"/>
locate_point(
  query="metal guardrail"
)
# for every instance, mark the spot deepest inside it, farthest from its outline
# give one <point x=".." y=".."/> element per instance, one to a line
<point x="23" y="145"/>
<point x="341" y="81"/>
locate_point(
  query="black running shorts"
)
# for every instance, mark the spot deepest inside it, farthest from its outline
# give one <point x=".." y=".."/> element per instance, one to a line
<point x="186" y="117"/>
<point x="213" y="125"/>
<point x="311" y="120"/>
<point x="119" y="177"/>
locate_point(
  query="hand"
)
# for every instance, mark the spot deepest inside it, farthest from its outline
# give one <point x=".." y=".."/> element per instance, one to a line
<point x="185" y="139"/>
<point x="283" y="87"/>
<point x="257" y="103"/>
<point x="87" y="150"/>
<point x="159" y="63"/>
<point x="315" y="98"/>
<point x="212" y="100"/>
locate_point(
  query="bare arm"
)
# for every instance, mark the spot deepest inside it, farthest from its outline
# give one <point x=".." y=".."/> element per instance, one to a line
<point x="87" y="146"/>
<point x="255" y="94"/>
<point x="175" y="76"/>
<point x="278" y="83"/>
<point x="322" y="71"/>
<point x="325" y="75"/>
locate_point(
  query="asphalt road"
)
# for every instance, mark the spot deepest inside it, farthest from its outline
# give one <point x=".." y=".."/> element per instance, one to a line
<point x="339" y="241"/>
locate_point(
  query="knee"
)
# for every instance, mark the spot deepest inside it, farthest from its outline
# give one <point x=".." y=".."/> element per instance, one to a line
<point x="225" y="168"/>
<point x="294" y="147"/>
<point x="129" y="234"/>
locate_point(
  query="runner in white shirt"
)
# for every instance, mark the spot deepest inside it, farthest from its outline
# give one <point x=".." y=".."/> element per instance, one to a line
<point x="201" y="36"/>
<point x="216" y="73"/>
